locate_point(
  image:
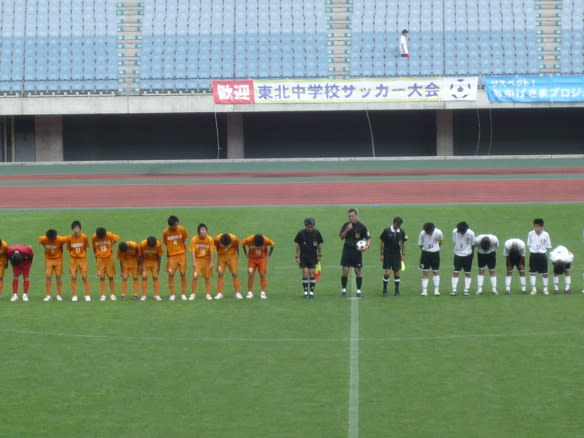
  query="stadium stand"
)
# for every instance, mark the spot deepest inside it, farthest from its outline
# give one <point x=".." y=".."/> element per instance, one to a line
<point x="153" y="46"/>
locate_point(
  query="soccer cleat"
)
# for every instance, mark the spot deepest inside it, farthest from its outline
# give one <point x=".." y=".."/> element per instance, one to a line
<point x="523" y="290"/>
<point x="466" y="293"/>
<point x="311" y="295"/>
<point x="263" y="295"/>
<point x="172" y="297"/>
<point x="183" y="297"/>
<point x="436" y="294"/>
<point x="47" y="298"/>
<point x="533" y="291"/>
<point x="219" y="296"/>
<point x="396" y="294"/>
<point x="480" y="291"/>
<point x="14" y="297"/>
<point x="249" y="295"/>
<point x="545" y="292"/>
<point x="192" y="297"/>
<point x="122" y="297"/>
<point x="74" y="298"/>
<point x="113" y="297"/>
<point x="507" y="291"/>
<point x="453" y="294"/>
<point x="425" y="294"/>
<point x="384" y="293"/>
<point x="208" y="297"/>
<point x="556" y="291"/>
<point x="135" y="297"/>
<point x="59" y="297"/>
<point x="157" y="298"/>
<point x="494" y="292"/>
<point x="344" y="294"/>
<point x="305" y="295"/>
<point x="358" y="294"/>
<point x="239" y="296"/>
<point x="102" y="298"/>
<point x="24" y="297"/>
<point x="87" y="298"/>
<point x="568" y="291"/>
<point x="143" y="298"/>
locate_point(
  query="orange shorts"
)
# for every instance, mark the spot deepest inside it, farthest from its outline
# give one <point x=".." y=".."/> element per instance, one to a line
<point x="227" y="262"/>
<point x="105" y="267"/>
<point x="78" y="264"/>
<point x="202" y="268"/>
<point x="54" y="266"/>
<point x="177" y="263"/>
<point x="259" y="265"/>
<point x="150" y="268"/>
<point x="130" y="269"/>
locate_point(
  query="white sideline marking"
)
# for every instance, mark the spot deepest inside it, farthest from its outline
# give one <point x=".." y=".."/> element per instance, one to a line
<point x="354" y="371"/>
<point x="356" y="339"/>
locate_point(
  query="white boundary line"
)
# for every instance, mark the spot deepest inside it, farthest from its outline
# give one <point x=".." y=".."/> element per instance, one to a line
<point x="353" y="413"/>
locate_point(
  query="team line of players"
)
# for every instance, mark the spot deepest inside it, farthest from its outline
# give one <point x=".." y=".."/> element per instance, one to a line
<point x="140" y="261"/>
<point x="393" y="252"/>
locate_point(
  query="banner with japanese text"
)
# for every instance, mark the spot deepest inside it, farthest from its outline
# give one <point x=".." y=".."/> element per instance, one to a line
<point x="306" y="91"/>
<point x="535" y="88"/>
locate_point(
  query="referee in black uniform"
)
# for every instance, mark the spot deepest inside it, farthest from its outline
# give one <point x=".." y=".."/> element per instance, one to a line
<point x="308" y="254"/>
<point x="351" y="232"/>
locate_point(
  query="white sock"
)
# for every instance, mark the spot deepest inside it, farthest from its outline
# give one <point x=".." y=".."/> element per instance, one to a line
<point x="424" y="284"/>
<point x="545" y="282"/>
<point x="508" y="281"/>
<point x="532" y="280"/>
<point x="454" y="283"/>
<point x="523" y="282"/>
<point x="467" y="282"/>
<point x="493" y="282"/>
<point x="436" y="281"/>
<point x="556" y="281"/>
<point x="480" y="281"/>
<point x="568" y="280"/>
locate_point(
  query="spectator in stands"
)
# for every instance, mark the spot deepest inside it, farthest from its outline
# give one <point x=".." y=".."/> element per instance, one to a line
<point x="403" y="44"/>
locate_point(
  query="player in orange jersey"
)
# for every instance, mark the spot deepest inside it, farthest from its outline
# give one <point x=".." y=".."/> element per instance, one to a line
<point x="257" y="248"/>
<point x="174" y="237"/>
<point x="130" y="265"/>
<point x="227" y="247"/>
<point x="78" y="245"/>
<point x="103" y="242"/>
<point x="151" y="253"/>
<point x="53" y="244"/>
<point x="203" y="251"/>
<point x="3" y="263"/>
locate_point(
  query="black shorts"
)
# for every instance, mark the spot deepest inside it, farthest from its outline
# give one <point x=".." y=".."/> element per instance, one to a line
<point x="352" y="258"/>
<point x="392" y="261"/>
<point x="489" y="260"/>
<point x="518" y="261"/>
<point x="559" y="268"/>
<point x="430" y="260"/>
<point x="307" y="261"/>
<point x="463" y="262"/>
<point x="538" y="264"/>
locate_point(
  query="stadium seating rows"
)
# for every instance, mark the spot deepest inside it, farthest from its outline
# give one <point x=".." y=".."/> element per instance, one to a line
<point x="73" y="46"/>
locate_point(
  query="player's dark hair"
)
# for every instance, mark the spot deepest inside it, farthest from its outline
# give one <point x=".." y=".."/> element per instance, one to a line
<point x="201" y="226"/>
<point x="51" y="234"/>
<point x="404" y="31"/>
<point x="309" y="221"/>
<point x="258" y="240"/>
<point x="16" y="258"/>
<point x="429" y="228"/>
<point x="538" y="221"/>
<point x="462" y="227"/>
<point x="352" y="210"/>
<point x="123" y="246"/>
<point x="151" y="241"/>
<point x="172" y="220"/>
<point x="398" y="220"/>
<point x="485" y="243"/>
<point x="225" y="239"/>
<point x="100" y="232"/>
<point x="75" y="224"/>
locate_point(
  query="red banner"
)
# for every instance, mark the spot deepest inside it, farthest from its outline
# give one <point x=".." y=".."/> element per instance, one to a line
<point x="233" y="92"/>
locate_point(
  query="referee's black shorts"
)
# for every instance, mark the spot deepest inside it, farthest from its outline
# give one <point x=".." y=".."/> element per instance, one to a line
<point x="351" y="258"/>
<point x="392" y="260"/>
<point x="308" y="261"/>
<point x="538" y="263"/>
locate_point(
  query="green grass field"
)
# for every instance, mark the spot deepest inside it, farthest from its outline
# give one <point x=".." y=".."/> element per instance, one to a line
<point x="485" y="366"/>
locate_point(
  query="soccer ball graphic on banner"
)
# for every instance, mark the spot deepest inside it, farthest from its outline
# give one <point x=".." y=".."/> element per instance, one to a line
<point x="459" y="88"/>
<point x="361" y="245"/>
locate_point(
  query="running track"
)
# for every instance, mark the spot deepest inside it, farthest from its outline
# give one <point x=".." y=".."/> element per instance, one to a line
<point x="308" y="189"/>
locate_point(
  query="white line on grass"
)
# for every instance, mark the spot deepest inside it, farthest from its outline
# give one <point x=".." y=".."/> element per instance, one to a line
<point x="354" y="371"/>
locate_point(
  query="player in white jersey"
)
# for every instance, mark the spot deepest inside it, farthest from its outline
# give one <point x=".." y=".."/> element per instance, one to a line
<point x="538" y="242"/>
<point x="429" y="241"/>
<point x="463" y="238"/>
<point x="562" y="259"/>
<point x="487" y="245"/>
<point x="514" y="252"/>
